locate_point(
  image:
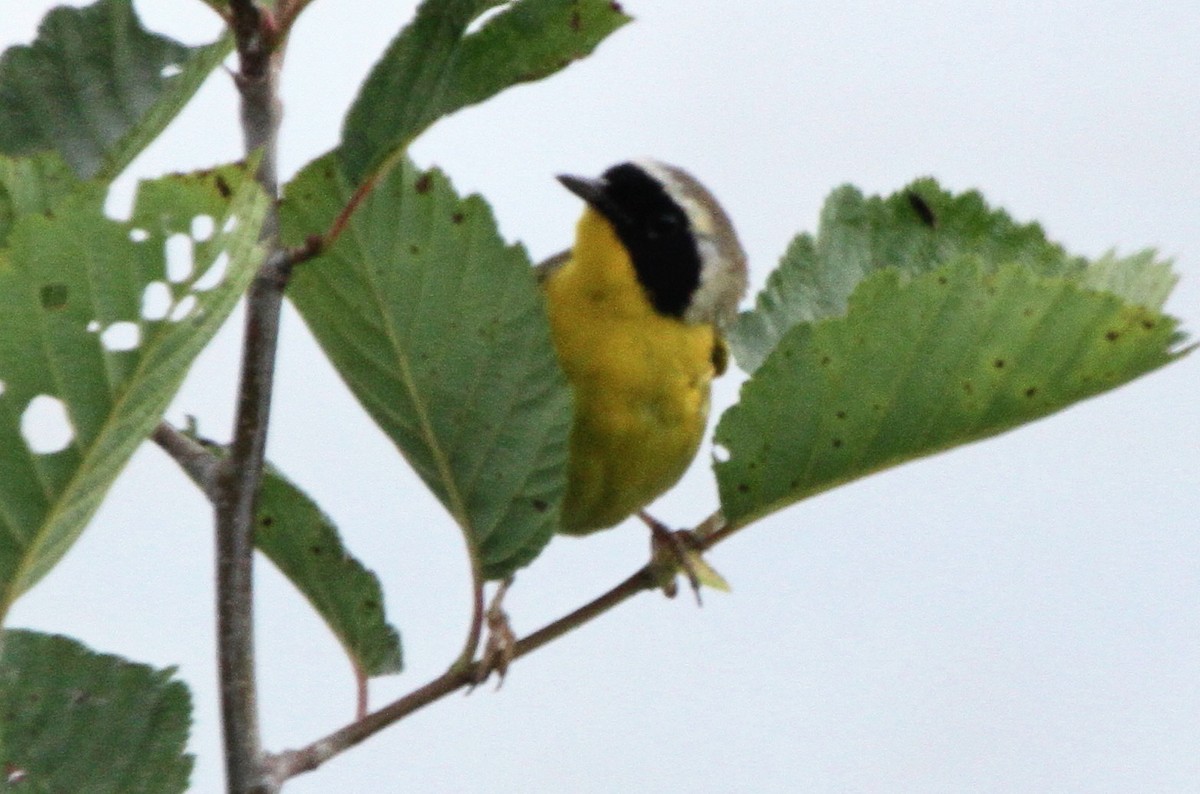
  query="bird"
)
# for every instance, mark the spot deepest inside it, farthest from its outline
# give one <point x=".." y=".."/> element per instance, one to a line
<point x="638" y="308"/>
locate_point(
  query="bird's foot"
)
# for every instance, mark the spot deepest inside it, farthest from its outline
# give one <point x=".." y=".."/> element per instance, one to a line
<point x="672" y="551"/>
<point x="501" y="641"/>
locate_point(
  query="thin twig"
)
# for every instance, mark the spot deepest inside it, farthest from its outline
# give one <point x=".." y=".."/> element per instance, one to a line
<point x="196" y="460"/>
<point x="290" y="763"/>
<point x="238" y="476"/>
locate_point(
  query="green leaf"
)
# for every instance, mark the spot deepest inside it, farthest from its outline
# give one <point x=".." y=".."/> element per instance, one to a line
<point x="304" y="544"/>
<point x="911" y="232"/>
<point x="75" y="720"/>
<point x="435" y="67"/>
<point x="96" y="87"/>
<point x="920" y="364"/>
<point x="439" y="329"/>
<point x="29" y="185"/>
<point x="91" y="324"/>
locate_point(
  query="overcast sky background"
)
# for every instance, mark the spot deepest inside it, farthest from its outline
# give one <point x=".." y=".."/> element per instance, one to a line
<point x="1022" y="614"/>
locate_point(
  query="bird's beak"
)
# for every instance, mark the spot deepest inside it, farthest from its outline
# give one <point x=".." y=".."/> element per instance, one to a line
<point x="590" y="190"/>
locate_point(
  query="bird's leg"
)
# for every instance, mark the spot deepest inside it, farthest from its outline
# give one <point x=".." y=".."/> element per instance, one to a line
<point x="501" y="641"/>
<point x="671" y="551"/>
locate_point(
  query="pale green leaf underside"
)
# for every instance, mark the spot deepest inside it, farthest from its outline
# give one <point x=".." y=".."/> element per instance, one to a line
<point x="97" y="87"/>
<point x="435" y="67"/>
<point x="304" y="544"/>
<point x="912" y="232"/>
<point x="438" y="328"/>
<point x="70" y="276"/>
<point x="75" y="720"/>
<point x="919" y="364"/>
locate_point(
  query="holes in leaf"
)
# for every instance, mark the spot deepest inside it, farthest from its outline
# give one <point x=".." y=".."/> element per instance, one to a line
<point x="156" y="300"/>
<point x="178" y="251"/>
<point x="1" y="388"/>
<point x="118" y="203"/>
<point x="45" y="425"/>
<point x="54" y="296"/>
<point x="93" y="326"/>
<point x="214" y="275"/>
<point x="202" y="227"/>
<point x="121" y="336"/>
<point x="139" y="235"/>
<point x="487" y="16"/>
<point x="230" y="224"/>
<point x="183" y="308"/>
<point x="720" y="453"/>
<point x="170" y="70"/>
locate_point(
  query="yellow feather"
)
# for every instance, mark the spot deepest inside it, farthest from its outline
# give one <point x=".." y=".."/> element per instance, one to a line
<point x="641" y="381"/>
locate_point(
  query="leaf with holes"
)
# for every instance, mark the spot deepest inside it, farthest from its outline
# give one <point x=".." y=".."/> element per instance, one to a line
<point x="951" y="342"/>
<point x="439" y="329"/>
<point x="96" y="87"/>
<point x="97" y="331"/>
<point x="304" y="544"/>
<point x="438" y="65"/>
<point x="72" y="719"/>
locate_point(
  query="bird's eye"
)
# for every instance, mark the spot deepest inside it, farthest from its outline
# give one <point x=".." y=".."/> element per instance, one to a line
<point x="664" y="225"/>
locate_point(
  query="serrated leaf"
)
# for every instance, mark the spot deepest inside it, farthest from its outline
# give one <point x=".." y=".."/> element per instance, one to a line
<point x="304" y="544"/>
<point x="435" y="66"/>
<point x="29" y="185"/>
<point x="439" y="329"/>
<point x="96" y="87"/>
<point x="919" y="365"/>
<point x="912" y="232"/>
<point x="75" y="720"/>
<point x="91" y="323"/>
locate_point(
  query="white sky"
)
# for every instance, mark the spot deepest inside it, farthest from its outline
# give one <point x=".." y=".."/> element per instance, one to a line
<point x="1019" y="615"/>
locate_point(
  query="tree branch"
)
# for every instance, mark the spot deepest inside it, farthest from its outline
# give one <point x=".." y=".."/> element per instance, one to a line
<point x="239" y="476"/>
<point x="290" y="763"/>
<point x="196" y="460"/>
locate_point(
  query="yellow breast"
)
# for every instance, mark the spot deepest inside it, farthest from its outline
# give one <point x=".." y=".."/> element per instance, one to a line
<point x="641" y="382"/>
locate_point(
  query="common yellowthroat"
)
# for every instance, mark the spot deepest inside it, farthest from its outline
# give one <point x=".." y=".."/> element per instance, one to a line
<point x="637" y="308"/>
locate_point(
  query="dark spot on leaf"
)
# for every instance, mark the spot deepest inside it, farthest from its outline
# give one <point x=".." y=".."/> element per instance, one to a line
<point x="837" y="443"/>
<point x="457" y="217"/>
<point x="794" y="484"/>
<point x="923" y="210"/>
<point x="943" y="280"/>
<point x="743" y="488"/>
<point x="825" y="361"/>
<point x="223" y="187"/>
<point x="840" y="414"/>
<point x="424" y="182"/>
<point x="317" y="551"/>
<point x="998" y="363"/>
<point x="1148" y="324"/>
<point x="370" y="605"/>
<point x="576" y="21"/>
<point x="1027" y="313"/>
<point x="876" y="407"/>
<point x="266" y="521"/>
<point x="540" y="505"/>
<point x="968" y="387"/>
<point x="616" y="7"/>
<point x="48" y="213"/>
<point x="54" y="296"/>
<point x="414" y="249"/>
<point x="1112" y="336"/>
<point x="752" y="465"/>
<point x="1031" y="391"/>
